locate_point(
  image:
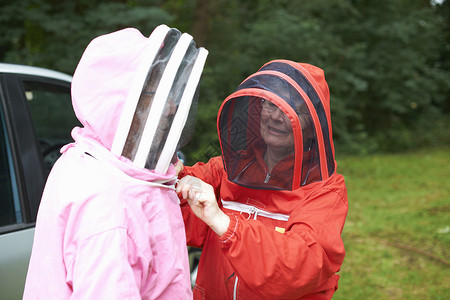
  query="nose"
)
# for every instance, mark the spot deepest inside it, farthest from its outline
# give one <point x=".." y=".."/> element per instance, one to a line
<point x="278" y="115"/>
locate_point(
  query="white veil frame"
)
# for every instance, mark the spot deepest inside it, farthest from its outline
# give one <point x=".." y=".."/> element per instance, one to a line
<point x="161" y="96"/>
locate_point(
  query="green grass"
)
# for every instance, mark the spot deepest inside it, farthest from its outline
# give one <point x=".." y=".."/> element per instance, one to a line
<point x="397" y="233"/>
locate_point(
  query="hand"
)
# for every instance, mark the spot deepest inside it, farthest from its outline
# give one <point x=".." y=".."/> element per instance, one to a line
<point x="178" y="167"/>
<point x="203" y="202"/>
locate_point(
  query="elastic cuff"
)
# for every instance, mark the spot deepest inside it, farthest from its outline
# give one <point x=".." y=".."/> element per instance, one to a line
<point x="231" y="229"/>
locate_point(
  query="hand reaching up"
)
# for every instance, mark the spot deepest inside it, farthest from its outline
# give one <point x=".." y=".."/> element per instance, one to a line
<point x="203" y="202"/>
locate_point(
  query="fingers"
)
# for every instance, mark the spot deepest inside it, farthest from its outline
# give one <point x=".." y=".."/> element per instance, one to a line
<point x="202" y="200"/>
<point x="189" y="187"/>
<point x="195" y="192"/>
<point x="179" y="167"/>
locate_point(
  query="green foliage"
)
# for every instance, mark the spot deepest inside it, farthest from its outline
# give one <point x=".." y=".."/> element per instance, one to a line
<point x="386" y="62"/>
<point x="382" y="60"/>
<point x="54" y="34"/>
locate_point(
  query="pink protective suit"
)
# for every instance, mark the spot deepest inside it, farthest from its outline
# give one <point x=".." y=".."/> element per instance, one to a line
<point x="107" y="229"/>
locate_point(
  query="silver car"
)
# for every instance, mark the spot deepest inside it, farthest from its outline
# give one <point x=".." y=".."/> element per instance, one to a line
<point x="36" y="118"/>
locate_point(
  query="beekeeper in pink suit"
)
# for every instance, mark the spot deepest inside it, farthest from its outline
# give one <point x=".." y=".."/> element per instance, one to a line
<point x="109" y="224"/>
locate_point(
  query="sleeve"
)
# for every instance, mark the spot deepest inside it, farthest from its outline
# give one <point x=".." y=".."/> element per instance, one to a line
<point x="211" y="172"/>
<point x="101" y="270"/>
<point x="297" y="262"/>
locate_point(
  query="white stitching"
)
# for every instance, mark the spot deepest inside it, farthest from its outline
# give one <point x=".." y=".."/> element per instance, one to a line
<point x="234" y="229"/>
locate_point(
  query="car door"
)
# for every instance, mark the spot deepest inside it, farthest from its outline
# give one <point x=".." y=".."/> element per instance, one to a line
<point x="36" y="118"/>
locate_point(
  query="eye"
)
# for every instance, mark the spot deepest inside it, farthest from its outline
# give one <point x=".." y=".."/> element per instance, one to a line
<point x="268" y="106"/>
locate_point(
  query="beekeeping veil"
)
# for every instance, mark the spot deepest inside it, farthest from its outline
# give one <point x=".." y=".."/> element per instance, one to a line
<point x="301" y="93"/>
<point x="159" y="112"/>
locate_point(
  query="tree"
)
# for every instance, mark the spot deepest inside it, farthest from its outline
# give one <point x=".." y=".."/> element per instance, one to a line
<point x="386" y="61"/>
<point x="382" y="62"/>
<point x="54" y="34"/>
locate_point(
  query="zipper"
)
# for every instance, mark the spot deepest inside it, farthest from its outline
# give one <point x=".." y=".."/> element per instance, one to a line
<point x="235" y="288"/>
<point x="267" y="178"/>
<point x="251" y="210"/>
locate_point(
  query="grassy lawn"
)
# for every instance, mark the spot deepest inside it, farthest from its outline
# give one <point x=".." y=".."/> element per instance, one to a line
<point x="397" y="234"/>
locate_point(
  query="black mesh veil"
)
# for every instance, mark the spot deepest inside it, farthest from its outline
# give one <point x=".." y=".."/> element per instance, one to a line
<point x="269" y="132"/>
<point x="161" y="119"/>
<point x="319" y="109"/>
<point x="148" y="93"/>
<point x="171" y="108"/>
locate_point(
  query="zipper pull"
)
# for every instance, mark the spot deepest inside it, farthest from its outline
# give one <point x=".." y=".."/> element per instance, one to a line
<point x="267" y="178"/>
<point x="251" y="210"/>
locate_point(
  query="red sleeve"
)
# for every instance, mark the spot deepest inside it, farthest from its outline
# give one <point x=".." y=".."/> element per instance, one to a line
<point x="211" y="172"/>
<point x="299" y="261"/>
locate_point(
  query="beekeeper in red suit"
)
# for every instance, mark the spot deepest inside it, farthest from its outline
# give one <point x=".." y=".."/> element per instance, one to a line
<point x="268" y="214"/>
<point x="109" y="224"/>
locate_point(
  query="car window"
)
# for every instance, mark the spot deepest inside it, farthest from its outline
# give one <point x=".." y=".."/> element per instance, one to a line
<point x="10" y="210"/>
<point x="53" y="117"/>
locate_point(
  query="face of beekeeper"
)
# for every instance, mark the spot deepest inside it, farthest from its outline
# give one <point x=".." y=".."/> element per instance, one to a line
<point x="276" y="129"/>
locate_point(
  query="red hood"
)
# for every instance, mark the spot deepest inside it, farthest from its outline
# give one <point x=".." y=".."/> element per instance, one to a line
<point x="301" y="93"/>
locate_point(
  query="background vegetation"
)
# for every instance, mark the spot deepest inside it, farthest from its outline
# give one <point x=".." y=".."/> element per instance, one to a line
<point x="397" y="233"/>
<point x="387" y="63"/>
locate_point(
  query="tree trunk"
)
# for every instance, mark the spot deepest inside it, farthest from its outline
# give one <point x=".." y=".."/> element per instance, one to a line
<point x="200" y="28"/>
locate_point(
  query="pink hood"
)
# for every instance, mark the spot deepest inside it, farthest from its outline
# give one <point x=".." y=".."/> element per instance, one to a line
<point x="102" y="80"/>
<point x="100" y="88"/>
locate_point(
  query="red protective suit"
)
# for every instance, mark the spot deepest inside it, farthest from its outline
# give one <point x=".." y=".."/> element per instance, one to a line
<point x="284" y="238"/>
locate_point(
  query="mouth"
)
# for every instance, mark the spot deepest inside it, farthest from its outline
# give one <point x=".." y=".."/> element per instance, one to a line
<point x="276" y="131"/>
